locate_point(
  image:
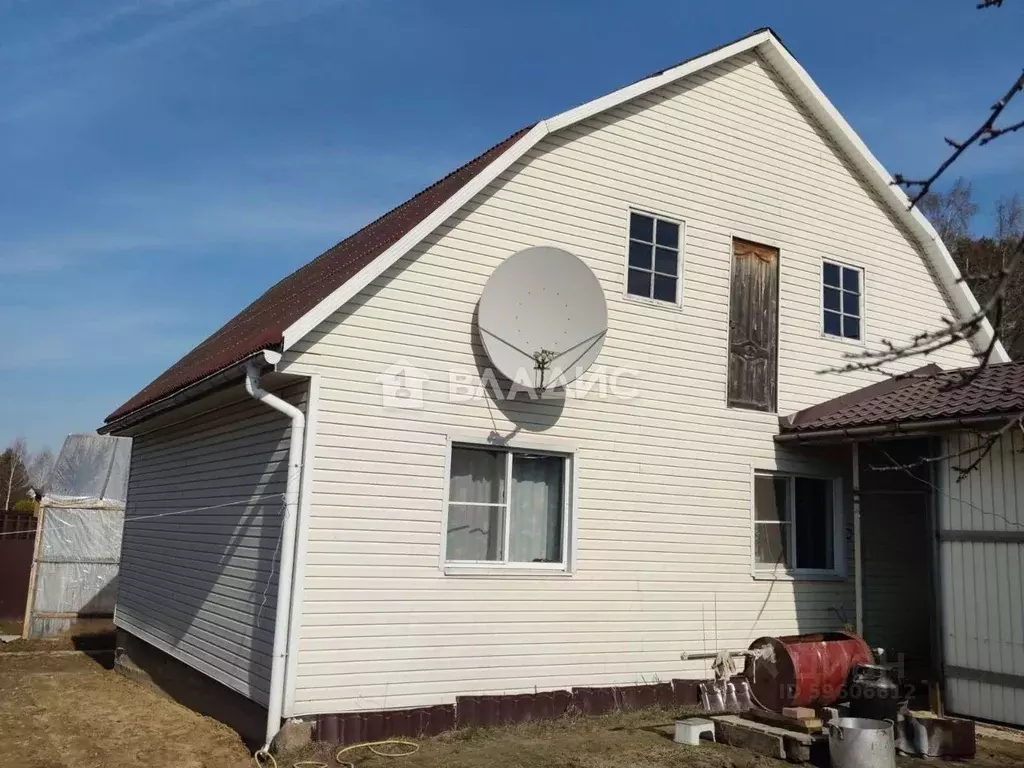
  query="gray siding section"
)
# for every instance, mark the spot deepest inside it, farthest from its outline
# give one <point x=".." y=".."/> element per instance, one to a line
<point x="200" y="581"/>
<point x="983" y="580"/>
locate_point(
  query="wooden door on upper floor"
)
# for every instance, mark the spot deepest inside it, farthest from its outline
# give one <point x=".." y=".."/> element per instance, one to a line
<point x="754" y="326"/>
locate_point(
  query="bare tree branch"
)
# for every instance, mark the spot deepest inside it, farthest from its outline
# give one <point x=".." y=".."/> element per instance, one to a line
<point x="952" y="332"/>
<point x="985" y="133"/>
<point x="957" y="209"/>
<point x="986" y="442"/>
<point x="964" y="502"/>
<point x="995" y="133"/>
<point x="984" y="449"/>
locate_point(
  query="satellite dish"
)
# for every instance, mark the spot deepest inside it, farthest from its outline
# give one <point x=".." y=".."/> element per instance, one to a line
<point x="542" y="317"/>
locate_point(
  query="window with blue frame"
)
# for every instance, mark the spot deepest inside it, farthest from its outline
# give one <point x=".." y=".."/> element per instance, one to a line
<point x="842" y="290"/>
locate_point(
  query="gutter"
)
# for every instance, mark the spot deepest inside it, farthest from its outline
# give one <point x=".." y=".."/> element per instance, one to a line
<point x="894" y="429"/>
<point x="289" y="525"/>
<point x="193" y="391"/>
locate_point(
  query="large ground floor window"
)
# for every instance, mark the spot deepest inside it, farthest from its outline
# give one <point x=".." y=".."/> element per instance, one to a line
<point x="796" y="524"/>
<point x="507" y="507"/>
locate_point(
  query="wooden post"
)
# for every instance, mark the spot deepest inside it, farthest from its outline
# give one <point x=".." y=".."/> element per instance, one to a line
<point x="30" y="599"/>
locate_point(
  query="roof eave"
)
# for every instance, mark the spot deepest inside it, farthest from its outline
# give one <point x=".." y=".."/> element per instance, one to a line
<point x="236" y="371"/>
<point x="895" y="429"/>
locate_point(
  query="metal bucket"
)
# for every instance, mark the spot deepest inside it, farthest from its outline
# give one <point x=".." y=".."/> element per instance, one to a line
<point x="856" y="742"/>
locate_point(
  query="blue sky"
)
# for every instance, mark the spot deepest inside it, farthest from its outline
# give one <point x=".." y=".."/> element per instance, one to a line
<point x="165" y="161"/>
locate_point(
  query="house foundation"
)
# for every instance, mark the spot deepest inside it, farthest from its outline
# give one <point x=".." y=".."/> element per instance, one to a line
<point x="146" y="664"/>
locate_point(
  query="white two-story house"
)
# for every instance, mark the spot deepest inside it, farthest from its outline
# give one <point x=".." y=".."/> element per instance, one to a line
<point x="386" y="533"/>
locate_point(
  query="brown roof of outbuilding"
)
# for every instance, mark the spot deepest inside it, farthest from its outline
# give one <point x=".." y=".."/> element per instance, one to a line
<point x="927" y="394"/>
<point x="262" y="324"/>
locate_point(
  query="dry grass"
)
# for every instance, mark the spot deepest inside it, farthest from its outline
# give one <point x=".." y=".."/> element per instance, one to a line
<point x="10" y="627"/>
<point x="621" y="740"/>
<point x="65" y="710"/>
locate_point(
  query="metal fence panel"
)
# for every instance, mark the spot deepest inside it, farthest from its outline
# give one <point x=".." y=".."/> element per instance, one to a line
<point x="981" y="557"/>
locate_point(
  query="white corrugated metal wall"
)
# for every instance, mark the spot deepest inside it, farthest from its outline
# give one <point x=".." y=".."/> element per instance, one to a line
<point x="981" y="556"/>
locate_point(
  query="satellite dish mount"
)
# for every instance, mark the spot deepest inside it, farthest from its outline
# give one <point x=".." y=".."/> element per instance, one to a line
<point x="542" y="317"/>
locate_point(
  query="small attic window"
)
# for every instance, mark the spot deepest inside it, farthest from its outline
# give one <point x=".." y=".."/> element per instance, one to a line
<point x="653" y="264"/>
<point x="842" y="292"/>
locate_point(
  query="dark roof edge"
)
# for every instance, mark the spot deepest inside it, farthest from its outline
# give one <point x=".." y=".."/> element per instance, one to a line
<point x="793" y="421"/>
<point x="123" y="413"/>
<point x="183" y="395"/>
<point x="896" y="428"/>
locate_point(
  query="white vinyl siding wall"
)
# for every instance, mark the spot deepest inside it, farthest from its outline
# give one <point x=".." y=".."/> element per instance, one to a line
<point x="201" y="586"/>
<point x="663" y="555"/>
<point x="982" y="582"/>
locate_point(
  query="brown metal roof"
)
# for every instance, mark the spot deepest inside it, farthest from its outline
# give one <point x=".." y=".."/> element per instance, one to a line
<point x="927" y="394"/>
<point x="261" y="325"/>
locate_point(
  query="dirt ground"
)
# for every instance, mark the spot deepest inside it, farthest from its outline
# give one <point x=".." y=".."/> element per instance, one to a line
<point x="10" y="626"/>
<point x="61" y="708"/>
<point x="623" y="740"/>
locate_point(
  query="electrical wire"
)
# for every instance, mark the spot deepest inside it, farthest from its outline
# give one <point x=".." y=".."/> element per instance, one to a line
<point x="951" y="497"/>
<point x="173" y="513"/>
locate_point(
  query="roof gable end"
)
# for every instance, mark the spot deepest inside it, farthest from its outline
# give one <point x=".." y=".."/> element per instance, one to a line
<point x="302" y="301"/>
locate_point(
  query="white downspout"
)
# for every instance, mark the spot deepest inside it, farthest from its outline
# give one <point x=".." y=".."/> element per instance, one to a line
<point x="286" y="573"/>
<point x="858" y="573"/>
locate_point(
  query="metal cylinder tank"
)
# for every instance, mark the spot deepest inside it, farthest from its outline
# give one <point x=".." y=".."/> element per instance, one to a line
<point x="804" y="670"/>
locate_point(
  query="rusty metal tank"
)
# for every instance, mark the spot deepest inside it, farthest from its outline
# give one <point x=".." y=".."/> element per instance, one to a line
<point x="804" y="670"/>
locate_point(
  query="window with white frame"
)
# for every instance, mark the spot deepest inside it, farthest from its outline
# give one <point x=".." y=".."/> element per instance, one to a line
<point x="507" y="506"/>
<point x="653" y="266"/>
<point x="795" y="523"/>
<point x="841" y="300"/>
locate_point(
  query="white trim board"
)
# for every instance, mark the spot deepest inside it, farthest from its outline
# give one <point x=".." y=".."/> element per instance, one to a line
<point x="804" y="89"/>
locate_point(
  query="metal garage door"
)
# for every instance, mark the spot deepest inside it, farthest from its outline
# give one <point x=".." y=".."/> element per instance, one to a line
<point x="981" y="557"/>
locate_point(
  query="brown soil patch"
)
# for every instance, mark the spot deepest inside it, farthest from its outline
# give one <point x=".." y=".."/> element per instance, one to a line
<point x="65" y="710"/>
<point x="622" y="740"/>
<point x="10" y="627"/>
<point x="102" y="639"/>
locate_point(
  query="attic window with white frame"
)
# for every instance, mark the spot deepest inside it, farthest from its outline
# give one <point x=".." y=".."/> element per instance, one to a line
<point x="507" y="507"/>
<point x="796" y="520"/>
<point x="841" y="300"/>
<point x="653" y="263"/>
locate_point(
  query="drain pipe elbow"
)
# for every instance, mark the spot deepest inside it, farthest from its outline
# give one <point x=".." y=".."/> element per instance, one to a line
<point x="289" y="525"/>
